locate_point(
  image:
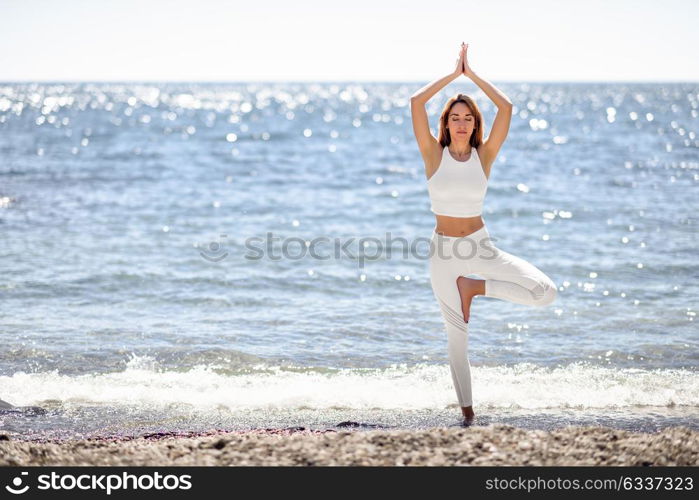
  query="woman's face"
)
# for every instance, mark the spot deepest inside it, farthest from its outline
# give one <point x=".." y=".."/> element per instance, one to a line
<point x="460" y="122"/>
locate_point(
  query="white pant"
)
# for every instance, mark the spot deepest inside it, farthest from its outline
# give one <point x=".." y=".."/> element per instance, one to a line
<point x="507" y="277"/>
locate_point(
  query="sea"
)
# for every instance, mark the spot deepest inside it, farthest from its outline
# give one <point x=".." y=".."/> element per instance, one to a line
<point x="180" y="257"/>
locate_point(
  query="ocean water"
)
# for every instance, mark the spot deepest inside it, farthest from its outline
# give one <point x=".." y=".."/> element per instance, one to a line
<point x="186" y="256"/>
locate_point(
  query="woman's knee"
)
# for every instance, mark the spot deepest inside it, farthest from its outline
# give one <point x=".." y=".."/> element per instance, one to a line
<point x="545" y="294"/>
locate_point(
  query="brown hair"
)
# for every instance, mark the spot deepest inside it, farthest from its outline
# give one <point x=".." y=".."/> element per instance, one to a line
<point x="477" y="135"/>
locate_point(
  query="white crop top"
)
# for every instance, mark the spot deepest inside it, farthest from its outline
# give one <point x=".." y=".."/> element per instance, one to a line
<point x="457" y="188"/>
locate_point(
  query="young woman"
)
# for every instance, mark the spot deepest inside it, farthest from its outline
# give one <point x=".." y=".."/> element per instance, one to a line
<point x="457" y="166"/>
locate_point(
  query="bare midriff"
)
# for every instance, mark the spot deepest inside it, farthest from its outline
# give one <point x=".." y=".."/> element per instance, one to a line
<point x="458" y="226"/>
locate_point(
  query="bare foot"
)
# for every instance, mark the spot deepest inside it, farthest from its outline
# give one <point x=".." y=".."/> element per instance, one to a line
<point x="469" y="288"/>
<point x="468" y="414"/>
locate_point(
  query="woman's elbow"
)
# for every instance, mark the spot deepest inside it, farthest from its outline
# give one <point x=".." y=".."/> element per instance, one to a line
<point x="416" y="100"/>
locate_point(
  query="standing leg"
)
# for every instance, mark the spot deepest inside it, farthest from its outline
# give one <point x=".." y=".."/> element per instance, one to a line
<point x="444" y="272"/>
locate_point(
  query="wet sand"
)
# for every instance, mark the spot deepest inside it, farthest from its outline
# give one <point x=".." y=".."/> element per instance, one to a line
<point x="495" y="444"/>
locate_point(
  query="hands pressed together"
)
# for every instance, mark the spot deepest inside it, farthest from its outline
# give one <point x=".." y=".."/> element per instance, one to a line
<point x="462" y="67"/>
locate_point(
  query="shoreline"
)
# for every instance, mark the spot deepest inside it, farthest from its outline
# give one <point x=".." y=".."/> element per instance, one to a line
<point x="495" y="444"/>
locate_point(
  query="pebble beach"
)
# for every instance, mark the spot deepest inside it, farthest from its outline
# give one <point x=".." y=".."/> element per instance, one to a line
<point x="495" y="444"/>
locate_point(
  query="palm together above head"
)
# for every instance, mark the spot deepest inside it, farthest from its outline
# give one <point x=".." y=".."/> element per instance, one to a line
<point x="462" y="67"/>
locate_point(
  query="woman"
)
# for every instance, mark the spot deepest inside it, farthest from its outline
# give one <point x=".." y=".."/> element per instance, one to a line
<point x="457" y="166"/>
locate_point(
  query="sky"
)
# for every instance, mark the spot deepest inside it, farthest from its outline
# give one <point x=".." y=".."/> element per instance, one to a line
<point x="351" y="40"/>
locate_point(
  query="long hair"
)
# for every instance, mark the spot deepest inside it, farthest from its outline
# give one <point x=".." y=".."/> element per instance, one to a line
<point x="477" y="135"/>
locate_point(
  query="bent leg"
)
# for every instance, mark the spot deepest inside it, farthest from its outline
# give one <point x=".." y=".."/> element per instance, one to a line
<point x="511" y="278"/>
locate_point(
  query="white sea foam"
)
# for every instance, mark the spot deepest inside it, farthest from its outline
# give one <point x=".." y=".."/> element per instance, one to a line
<point x="143" y="383"/>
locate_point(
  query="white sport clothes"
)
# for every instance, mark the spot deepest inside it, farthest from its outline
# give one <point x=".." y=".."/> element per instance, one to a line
<point x="457" y="188"/>
<point x="507" y="277"/>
